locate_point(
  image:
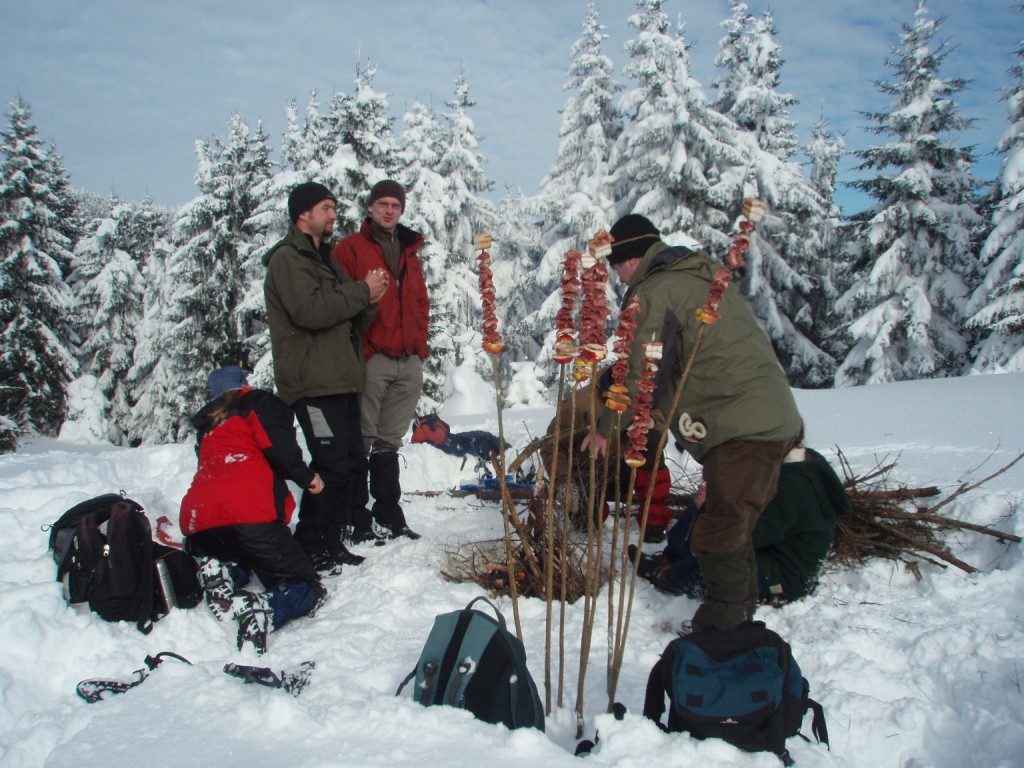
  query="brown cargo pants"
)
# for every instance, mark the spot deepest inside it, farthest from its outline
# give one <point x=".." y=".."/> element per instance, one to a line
<point x="742" y="476"/>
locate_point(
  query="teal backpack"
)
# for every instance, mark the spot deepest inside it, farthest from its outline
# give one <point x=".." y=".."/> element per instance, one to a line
<point x="741" y="685"/>
<point x="471" y="661"/>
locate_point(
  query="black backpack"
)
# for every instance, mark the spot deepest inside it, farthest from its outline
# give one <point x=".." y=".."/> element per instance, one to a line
<point x="106" y="557"/>
<point x="741" y="685"/>
<point x="472" y="661"/>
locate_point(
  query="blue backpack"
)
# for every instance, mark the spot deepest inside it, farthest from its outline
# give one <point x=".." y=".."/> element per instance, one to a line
<point x="741" y="685"/>
<point x="472" y="661"/>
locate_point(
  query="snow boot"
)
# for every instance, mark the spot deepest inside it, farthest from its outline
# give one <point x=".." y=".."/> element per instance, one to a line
<point x="367" y="536"/>
<point x="218" y="588"/>
<point x="253" y="619"/>
<point x="403" y="530"/>
<point x="386" y="489"/>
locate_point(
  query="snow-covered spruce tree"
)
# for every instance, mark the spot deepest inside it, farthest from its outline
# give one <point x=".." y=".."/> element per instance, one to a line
<point x="206" y="272"/>
<point x="731" y="58"/>
<point x="575" y="199"/>
<point x="824" y="151"/>
<point x="455" y="301"/>
<point x="108" y="290"/>
<point x="152" y="376"/>
<point x="419" y="151"/>
<point x="70" y="222"/>
<point x="36" y="342"/>
<point x="904" y="313"/>
<point x="255" y="234"/>
<point x="365" y="151"/>
<point x="318" y="142"/>
<point x="754" y="104"/>
<point x="676" y="160"/>
<point x="785" y="271"/>
<point x="294" y="151"/>
<point x="997" y="307"/>
<point x="516" y="256"/>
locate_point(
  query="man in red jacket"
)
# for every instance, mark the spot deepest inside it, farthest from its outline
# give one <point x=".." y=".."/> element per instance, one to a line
<point x="394" y="347"/>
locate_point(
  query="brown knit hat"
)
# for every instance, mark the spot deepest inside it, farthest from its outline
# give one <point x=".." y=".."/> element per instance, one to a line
<point x="387" y="188"/>
<point x="633" y="234"/>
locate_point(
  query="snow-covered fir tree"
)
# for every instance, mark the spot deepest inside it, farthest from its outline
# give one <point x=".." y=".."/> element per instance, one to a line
<point x="824" y="151"/>
<point x="455" y="301"/>
<point x="295" y="153"/>
<point x="750" y="51"/>
<point x="516" y="256"/>
<point x="905" y="312"/>
<point x="674" y="158"/>
<point x="420" y="146"/>
<point x="731" y="57"/>
<point x="318" y="142"/>
<point x="462" y="167"/>
<point x="255" y="235"/>
<point x="997" y="307"/>
<point x="575" y="200"/>
<point x="206" y="271"/>
<point x="152" y="376"/>
<point x="36" y="343"/>
<point x="365" y="150"/>
<point x="785" y="269"/>
<point x="70" y="223"/>
<point x="108" y="288"/>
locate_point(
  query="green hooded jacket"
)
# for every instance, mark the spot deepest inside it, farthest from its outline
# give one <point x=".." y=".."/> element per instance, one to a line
<point x="794" y="534"/>
<point x="736" y="388"/>
<point x="316" y="314"/>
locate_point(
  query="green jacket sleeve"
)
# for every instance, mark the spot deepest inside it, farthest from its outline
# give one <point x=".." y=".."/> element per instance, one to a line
<point x="310" y="296"/>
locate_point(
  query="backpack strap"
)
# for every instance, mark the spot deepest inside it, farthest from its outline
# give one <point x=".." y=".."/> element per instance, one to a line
<point x="459" y="679"/>
<point x="402" y="685"/>
<point x="513" y="683"/>
<point x="497" y="613"/>
<point x="818" y="727"/>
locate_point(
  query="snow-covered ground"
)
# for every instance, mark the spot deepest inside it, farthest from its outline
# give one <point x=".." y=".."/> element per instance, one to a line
<point x="911" y="673"/>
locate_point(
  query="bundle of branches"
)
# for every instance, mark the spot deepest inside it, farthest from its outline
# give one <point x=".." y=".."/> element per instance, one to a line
<point x="887" y="520"/>
<point x="484" y="563"/>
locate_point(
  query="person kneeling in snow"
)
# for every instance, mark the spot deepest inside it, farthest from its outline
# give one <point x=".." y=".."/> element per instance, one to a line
<point x="235" y="514"/>
<point x="792" y="537"/>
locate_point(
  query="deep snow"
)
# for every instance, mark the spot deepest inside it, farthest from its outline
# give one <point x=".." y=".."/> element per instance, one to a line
<point x="911" y="673"/>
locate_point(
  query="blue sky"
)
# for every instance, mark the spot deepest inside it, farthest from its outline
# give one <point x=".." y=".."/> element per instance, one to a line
<point x="125" y="88"/>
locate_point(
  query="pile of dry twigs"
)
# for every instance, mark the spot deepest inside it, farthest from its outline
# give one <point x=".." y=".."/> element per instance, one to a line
<point x="889" y="520"/>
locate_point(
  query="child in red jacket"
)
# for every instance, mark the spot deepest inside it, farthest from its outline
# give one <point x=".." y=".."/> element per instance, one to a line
<point x="235" y="514"/>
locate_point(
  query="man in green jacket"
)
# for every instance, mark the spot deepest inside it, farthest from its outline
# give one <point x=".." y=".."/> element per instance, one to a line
<point x="737" y="416"/>
<point x="316" y="315"/>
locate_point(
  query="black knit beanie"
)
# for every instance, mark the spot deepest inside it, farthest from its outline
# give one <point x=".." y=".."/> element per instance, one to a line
<point x="305" y="196"/>
<point x="387" y="188"/>
<point x="633" y="234"/>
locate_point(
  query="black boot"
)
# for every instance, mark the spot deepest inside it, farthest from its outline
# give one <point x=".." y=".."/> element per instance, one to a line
<point x="335" y="550"/>
<point x="386" y="490"/>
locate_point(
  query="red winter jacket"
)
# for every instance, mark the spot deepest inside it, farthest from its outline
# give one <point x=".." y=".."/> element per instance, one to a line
<point x="243" y="463"/>
<point x="400" y="328"/>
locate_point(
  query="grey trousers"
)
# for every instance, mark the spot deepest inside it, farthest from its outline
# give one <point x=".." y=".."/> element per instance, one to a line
<point x="392" y="389"/>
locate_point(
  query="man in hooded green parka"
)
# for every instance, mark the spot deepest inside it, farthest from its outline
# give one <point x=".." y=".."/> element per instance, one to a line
<point x="737" y="416"/>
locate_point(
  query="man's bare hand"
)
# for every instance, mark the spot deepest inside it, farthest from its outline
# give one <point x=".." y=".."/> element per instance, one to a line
<point x="316" y="485"/>
<point x="597" y="440"/>
<point x="377" y="281"/>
